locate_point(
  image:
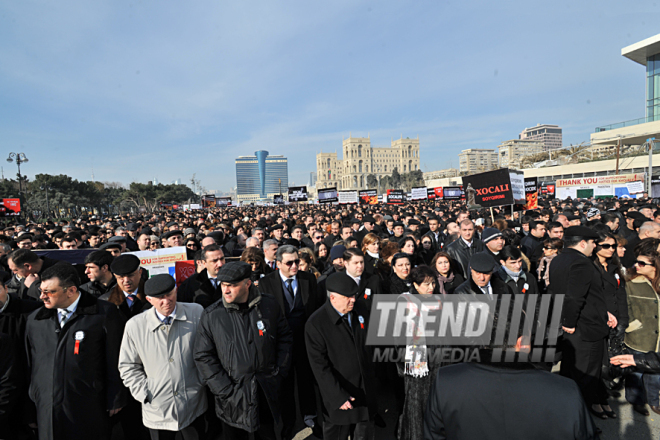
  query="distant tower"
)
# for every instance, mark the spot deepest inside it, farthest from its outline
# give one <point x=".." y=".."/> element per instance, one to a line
<point x="261" y="162"/>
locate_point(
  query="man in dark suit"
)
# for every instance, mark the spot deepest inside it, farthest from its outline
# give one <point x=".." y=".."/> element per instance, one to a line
<point x="335" y="335"/>
<point x="296" y="293"/>
<point x="481" y="281"/>
<point x="473" y="400"/>
<point x="367" y="285"/>
<point x="585" y="318"/>
<point x="73" y="346"/>
<point x="128" y="294"/>
<point x="203" y="287"/>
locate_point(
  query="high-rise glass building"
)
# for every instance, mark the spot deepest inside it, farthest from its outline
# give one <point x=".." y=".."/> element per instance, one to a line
<point x="261" y="176"/>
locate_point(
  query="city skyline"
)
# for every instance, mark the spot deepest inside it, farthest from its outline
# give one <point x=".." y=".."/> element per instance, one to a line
<point x="118" y="93"/>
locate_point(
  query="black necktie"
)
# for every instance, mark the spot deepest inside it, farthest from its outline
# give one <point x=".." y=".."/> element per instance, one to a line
<point x="290" y="296"/>
<point x="345" y="318"/>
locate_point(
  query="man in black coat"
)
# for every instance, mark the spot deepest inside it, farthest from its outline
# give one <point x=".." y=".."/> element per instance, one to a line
<point x="481" y="280"/>
<point x="534" y="239"/>
<point x="203" y="287"/>
<point x="296" y="293"/>
<point x="465" y="247"/>
<point x="97" y="269"/>
<point x="10" y="385"/>
<point x="243" y="353"/>
<point x="73" y="346"/>
<point x="504" y="400"/>
<point x="585" y="318"/>
<point x="29" y="266"/>
<point x="335" y="335"/>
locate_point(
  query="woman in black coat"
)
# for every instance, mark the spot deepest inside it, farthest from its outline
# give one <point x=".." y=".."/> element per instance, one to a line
<point x="409" y="246"/>
<point x="448" y="279"/>
<point x="398" y="281"/>
<point x="614" y="287"/>
<point x="419" y="368"/>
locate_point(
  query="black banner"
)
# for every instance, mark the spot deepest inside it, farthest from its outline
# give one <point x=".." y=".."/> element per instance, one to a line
<point x="278" y="199"/>
<point x="492" y="188"/>
<point x="452" y="193"/>
<point x="368" y="196"/>
<point x="297" y="194"/>
<point x="531" y="193"/>
<point x="328" y="195"/>
<point x="548" y="190"/>
<point x="395" y="197"/>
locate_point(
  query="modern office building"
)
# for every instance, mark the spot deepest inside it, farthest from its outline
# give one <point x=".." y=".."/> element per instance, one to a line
<point x="549" y="135"/>
<point x="361" y="159"/>
<point x="260" y="177"/>
<point x="312" y="179"/>
<point x="636" y="132"/>
<point x="510" y="153"/>
<point x="477" y="160"/>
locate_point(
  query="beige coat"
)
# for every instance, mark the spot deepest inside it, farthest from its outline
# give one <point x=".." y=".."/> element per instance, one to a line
<point x="156" y="364"/>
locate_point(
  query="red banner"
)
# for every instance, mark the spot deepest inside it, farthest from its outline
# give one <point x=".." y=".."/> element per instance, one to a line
<point x="183" y="270"/>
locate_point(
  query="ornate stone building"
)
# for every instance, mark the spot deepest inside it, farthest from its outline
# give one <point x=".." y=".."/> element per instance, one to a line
<point x="361" y="159"/>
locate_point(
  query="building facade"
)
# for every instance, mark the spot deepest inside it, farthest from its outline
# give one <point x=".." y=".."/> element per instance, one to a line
<point x="511" y="152"/>
<point x="261" y="176"/>
<point x="360" y="159"/>
<point x="477" y="160"/>
<point x="441" y="174"/>
<point x="549" y="135"/>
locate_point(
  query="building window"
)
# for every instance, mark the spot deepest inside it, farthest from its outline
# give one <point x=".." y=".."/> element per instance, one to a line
<point x="328" y="163"/>
<point x="360" y="166"/>
<point x="359" y="150"/>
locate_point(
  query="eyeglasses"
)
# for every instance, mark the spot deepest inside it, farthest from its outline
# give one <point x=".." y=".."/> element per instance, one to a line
<point x="318" y="237"/>
<point x="642" y="263"/>
<point x="548" y="248"/>
<point x="292" y="262"/>
<point x="607" y="246"/>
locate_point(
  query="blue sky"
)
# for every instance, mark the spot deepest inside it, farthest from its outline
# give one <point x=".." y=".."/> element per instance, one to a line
<point x="166" y="89"/>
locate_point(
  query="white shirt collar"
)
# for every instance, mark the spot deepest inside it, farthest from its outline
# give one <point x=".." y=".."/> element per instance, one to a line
<point x="162" y="317"/>
<point x="133" y="293"/>
<point x="72" y="308"/>
<point x="357" y="280"/>
<point x="293" y="278"/>
<point x="467" y="243"/>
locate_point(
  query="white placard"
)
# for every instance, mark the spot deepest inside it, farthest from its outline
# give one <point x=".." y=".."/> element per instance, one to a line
<point x="347" y="197"/>
<point x="161" y="260"/>
<point x="419" y="193"/>
<point x="635" y="187"/>
<point x="603" y="190"/>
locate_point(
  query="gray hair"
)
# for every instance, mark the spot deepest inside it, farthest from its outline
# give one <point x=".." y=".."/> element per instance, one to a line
<point x="252" y="242"/>
<point x="268" y="243"/>
<point x="286" y="249"/>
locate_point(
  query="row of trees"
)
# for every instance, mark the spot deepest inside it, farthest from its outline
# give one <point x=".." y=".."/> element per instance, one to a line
<point x="63" y="196"/>
<point x="396" y="180"/>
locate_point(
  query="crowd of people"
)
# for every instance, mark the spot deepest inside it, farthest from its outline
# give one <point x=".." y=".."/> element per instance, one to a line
<point x="268" y="336"/>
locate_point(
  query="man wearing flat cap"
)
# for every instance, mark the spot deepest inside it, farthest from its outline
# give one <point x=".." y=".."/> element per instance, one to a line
<point x="173" y="238"/>
<point x="157" y="365"/>
<point x="335" y="336"/>
<point x="585" y="319"/>
<point x="128" y="294"/>
<point x="243" y="353"/>
<point x="480" y="280"/>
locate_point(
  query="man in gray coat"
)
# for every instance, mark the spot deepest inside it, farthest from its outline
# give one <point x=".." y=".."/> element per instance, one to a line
<point x="156" y="363"/>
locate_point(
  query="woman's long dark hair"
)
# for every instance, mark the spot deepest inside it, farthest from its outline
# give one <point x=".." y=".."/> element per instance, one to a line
<point x="452" y="263"/>
<point x="613" y="260"/>
<point x="655" y="258"/>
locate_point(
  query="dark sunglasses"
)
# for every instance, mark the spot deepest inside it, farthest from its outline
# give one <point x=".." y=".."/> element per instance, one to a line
<point x="318" y="237"/>
<point x="292" y="262"/>
<point x="607" y="246"/>
<point x="548" y="248"/>
<point x="642" y="263"/>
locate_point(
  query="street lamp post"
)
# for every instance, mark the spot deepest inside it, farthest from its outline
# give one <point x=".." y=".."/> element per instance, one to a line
<point x="19" y="158"/>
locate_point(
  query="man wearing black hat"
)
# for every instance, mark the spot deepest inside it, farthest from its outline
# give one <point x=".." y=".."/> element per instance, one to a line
<point x="335" y="335"/>
<point x="494" y="242"/>
<point x="113" y="247"/>
<point x="157" y="365"/>
<point x="481" y="281"/>
<point x="173" y="238"/>
<point x="97" y="269"/>
<point x="128" y="294"/>
<point x="585" y="318"/>
<point x="277" y="231"/>
<point x="243" y="352"/>
<point x="296" y="292"/>
<point x="368" y="223"/>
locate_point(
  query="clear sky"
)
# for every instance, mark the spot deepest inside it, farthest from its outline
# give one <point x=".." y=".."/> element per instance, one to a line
<point x="165" y="89"/>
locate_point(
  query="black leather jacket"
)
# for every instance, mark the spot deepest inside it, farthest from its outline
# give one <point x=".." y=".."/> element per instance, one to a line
<point x="461" y="253"/>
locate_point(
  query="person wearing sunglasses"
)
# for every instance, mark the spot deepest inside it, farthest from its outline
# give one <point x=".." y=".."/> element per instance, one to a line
<point x="585" y="319"/>
<point x="296" y="293"/>
<point x="641" y="335"/>
<point x="614" y="287"/>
